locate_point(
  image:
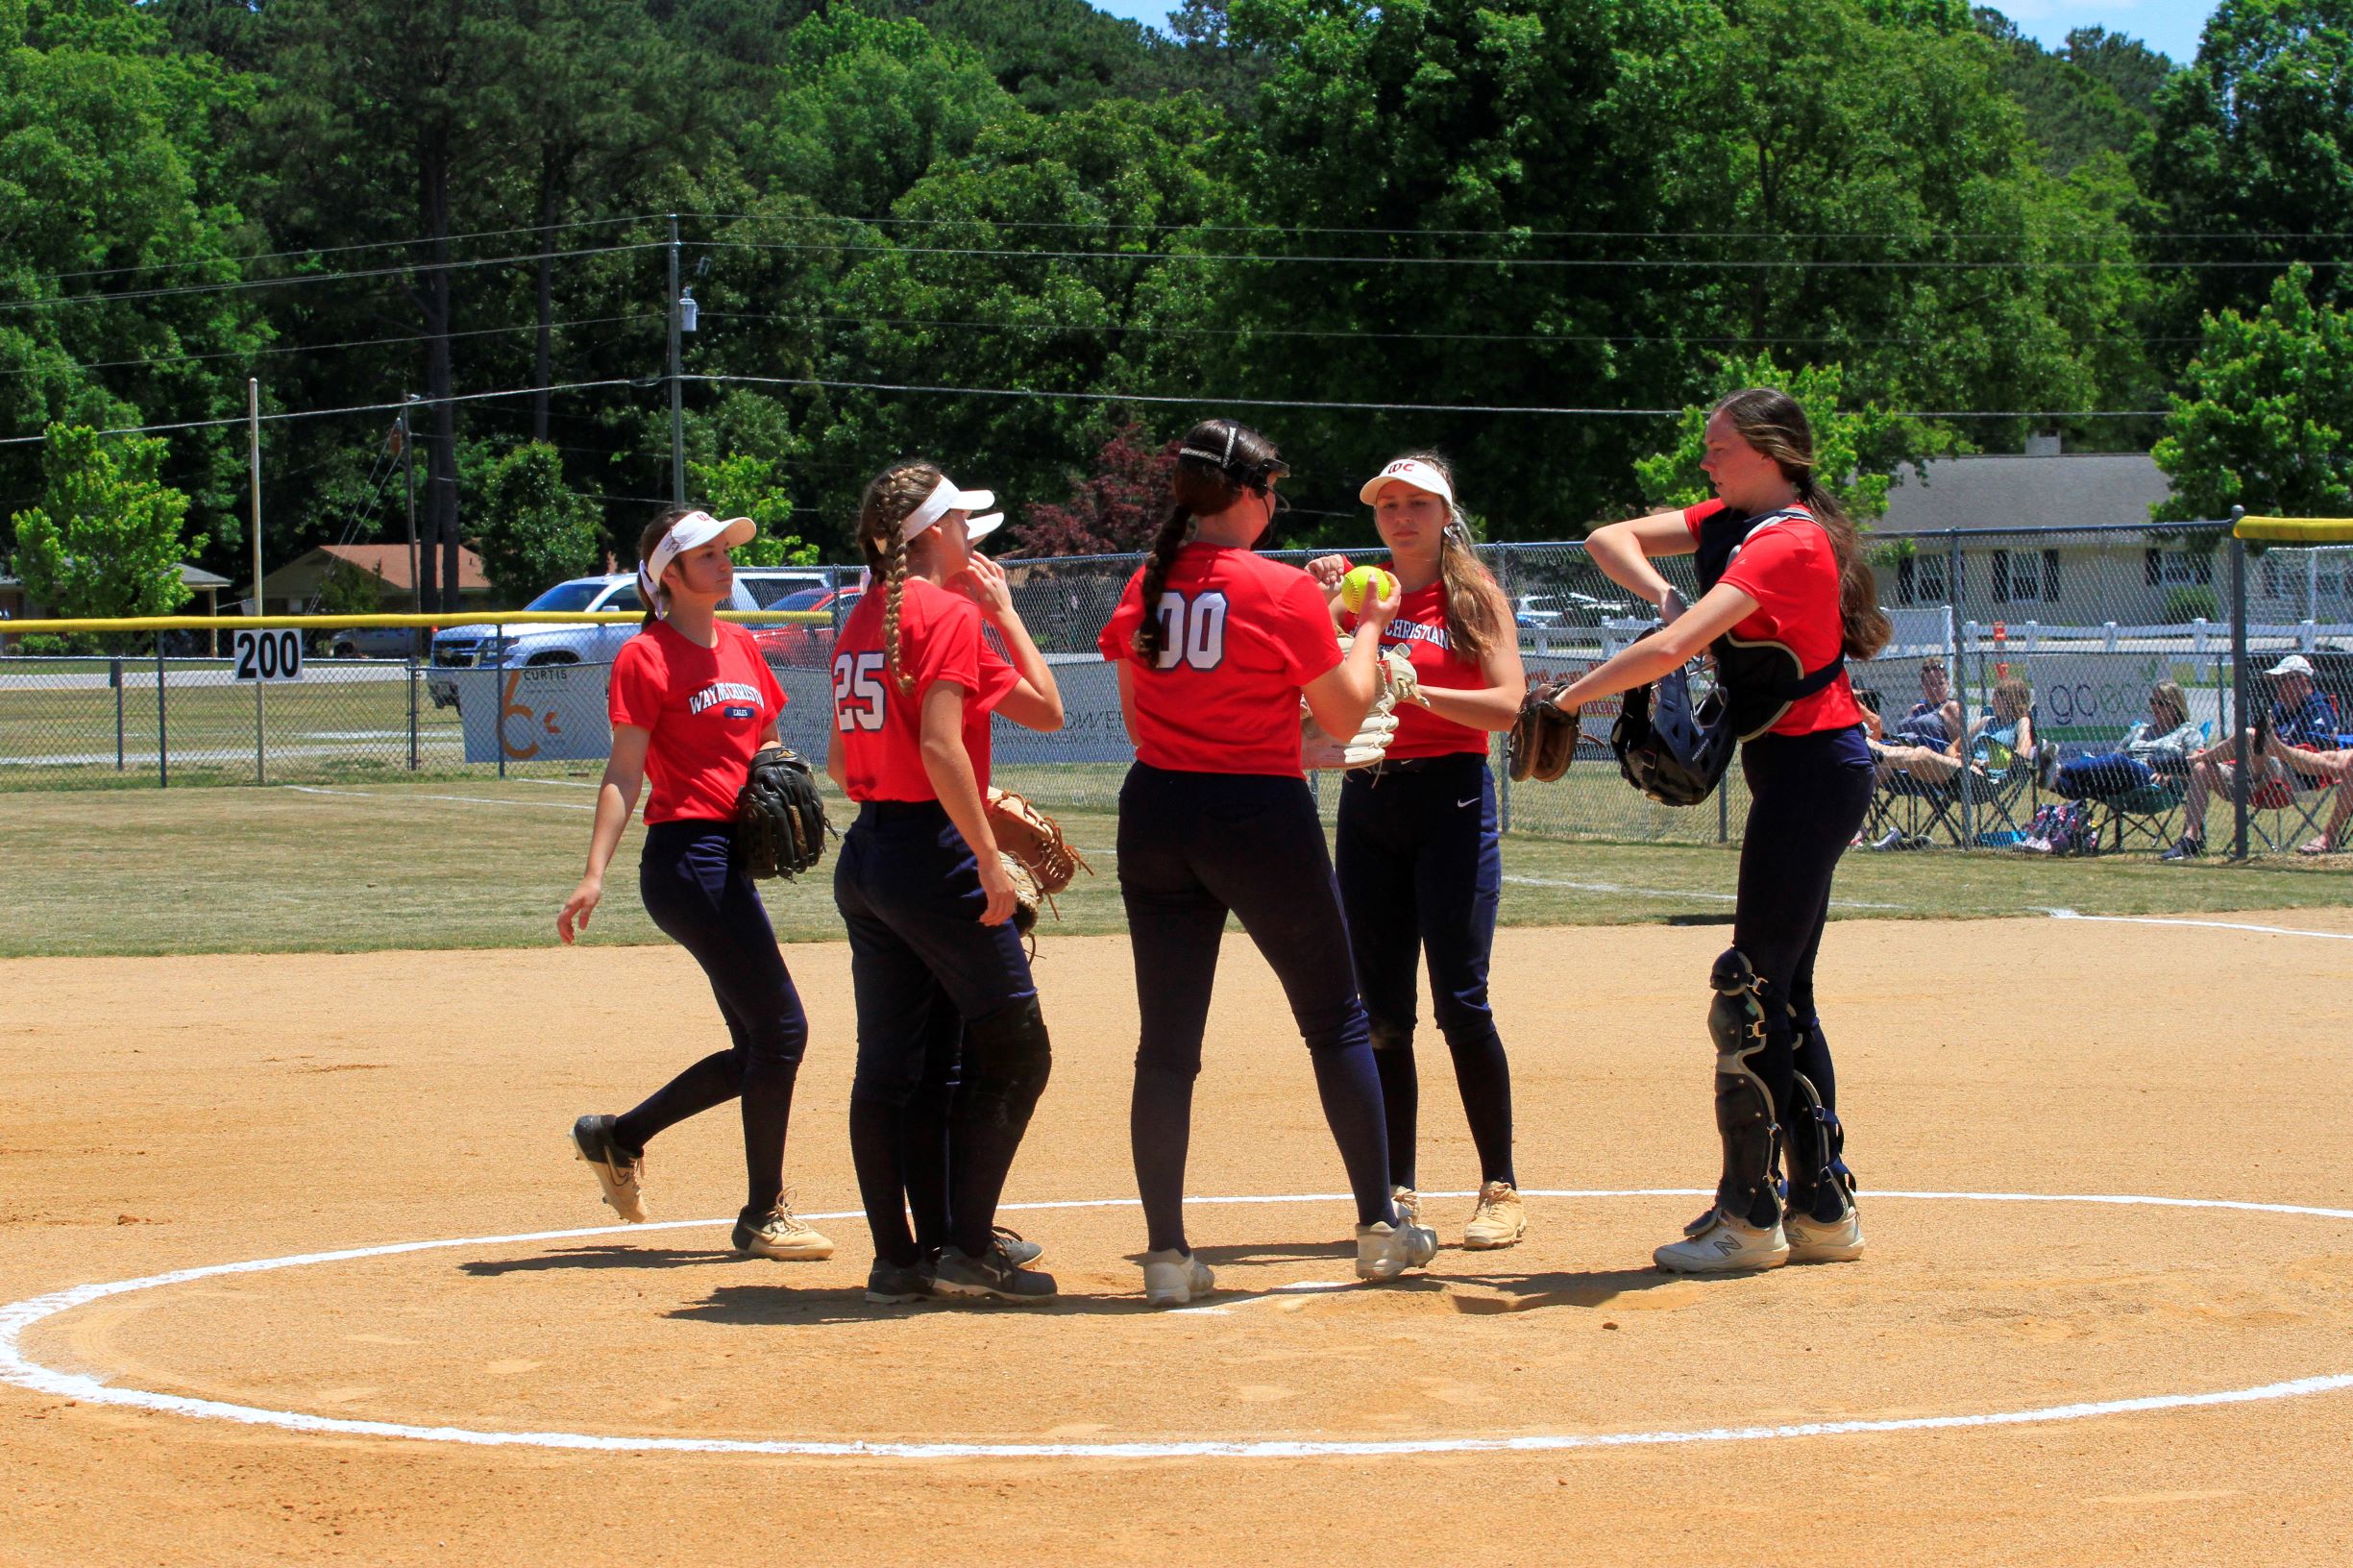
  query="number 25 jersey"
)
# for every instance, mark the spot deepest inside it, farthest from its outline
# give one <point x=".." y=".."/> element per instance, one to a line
<point x="1239" y="636"/>
<point x="939" y="639"/>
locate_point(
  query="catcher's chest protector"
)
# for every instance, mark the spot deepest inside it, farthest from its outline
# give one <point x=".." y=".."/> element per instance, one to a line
<point x="1761" y="679"/>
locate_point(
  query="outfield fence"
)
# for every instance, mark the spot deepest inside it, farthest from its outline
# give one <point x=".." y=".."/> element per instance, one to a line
<point x="2089" y="619"/>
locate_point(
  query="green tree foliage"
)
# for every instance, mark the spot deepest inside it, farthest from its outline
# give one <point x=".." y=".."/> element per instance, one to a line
<point x="1458" y="207"/>
<point x="109" y="183"/>
<point x="1087" y="270"/>
<point x="1858" y="447"/>
<point x="2072" y="113"/>
<point x="2126" y="66"/>
<point x="106" y="539"/>
<point x="2254" y="148"/>
<point x="2264" y="420"/>
<point x="347" y="590"/>
<point x="868" y="104"/>
<point x="534" y="531"/>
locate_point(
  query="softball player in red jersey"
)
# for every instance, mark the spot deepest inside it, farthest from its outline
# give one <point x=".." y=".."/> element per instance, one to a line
<point x="1419" y="850"/>
<point x="691" y="701"/>
<point x="952" y="1050"/>
<point x="1786" y="589"/>
<point x="1216" y="646"/>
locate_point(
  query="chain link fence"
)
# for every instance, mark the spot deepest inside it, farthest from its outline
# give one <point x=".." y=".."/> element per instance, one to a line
<point x="2088" y="619"/>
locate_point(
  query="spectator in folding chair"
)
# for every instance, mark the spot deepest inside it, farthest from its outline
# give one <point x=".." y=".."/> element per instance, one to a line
<point x="2301" y="717"/>
<point x="2153" y="753"/>
<point x="1993" y="746"/>
<point x="1935" y="719"/>
<point x="2333" y="769"/>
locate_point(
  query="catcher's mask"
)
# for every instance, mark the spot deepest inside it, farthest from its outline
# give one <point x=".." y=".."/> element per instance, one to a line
<point x="1669" y="748"/>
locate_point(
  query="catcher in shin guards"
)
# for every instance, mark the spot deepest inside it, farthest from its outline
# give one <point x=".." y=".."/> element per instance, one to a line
<point x="1418" y="849"/>
<point x="691" y="701"/>
<point x="1786" y="597"/>
<point x="952" y="1048"/>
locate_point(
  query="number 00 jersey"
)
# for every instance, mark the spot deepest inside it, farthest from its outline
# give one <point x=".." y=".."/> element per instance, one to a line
<point x="880" y="723"/>
<point x="1239" y="636"/>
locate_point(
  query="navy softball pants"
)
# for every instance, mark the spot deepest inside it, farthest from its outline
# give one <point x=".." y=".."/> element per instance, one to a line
<point x="1194" y="847"/>
<point x="925" y="1134"/>
<point x="704" y="901"/>
<point x="1421" y="867"/>
<point x="1807" y="797"/>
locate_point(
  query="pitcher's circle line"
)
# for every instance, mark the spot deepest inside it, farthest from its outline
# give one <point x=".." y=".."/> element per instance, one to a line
<point x="16" y="1368"/>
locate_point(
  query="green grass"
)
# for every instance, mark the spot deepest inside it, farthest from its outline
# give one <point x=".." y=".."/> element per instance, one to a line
<point x="478" y="863"/>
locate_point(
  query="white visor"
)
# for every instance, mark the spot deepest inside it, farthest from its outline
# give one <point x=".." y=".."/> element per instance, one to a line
<point x="1420" y="476"/>
<point x="690" y="533"/>
<point x="2294" y="664"/>
<point x="944" y="499"/>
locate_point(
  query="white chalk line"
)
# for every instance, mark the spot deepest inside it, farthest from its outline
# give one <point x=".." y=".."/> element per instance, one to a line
<point x="2213" y="926"/>
<point x="19" y="1369"/>
<point x="460" y="799"/>
<point x="1676" y="892"/>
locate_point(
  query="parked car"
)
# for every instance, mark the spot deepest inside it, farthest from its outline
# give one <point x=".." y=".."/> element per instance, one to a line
<point x="481" y="644"/>
<point x="1567" y="608"/>
<point x="806" y="644"/>
<point x="771" y="583"/>
<point x="370" y="643"/>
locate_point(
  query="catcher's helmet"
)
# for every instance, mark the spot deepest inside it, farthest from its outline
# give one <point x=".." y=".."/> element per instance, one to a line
<point x="1669" y="748"/>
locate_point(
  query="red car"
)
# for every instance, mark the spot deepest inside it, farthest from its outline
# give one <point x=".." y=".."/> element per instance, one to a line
<point x="806" y="644"/>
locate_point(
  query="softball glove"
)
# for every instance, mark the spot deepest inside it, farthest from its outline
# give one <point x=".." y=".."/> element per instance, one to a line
<point x="1544" y="736"/>
<point x="780" y="817"/>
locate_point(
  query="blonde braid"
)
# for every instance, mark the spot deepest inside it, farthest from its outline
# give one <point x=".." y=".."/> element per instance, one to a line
<point x="895" y="582"/>
<point x="893" y="493"/>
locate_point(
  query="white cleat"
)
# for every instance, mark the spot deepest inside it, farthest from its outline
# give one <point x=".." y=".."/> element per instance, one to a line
<point x="1385" y="1251"/>
<point x="1814" y="1241"/>
<point x="1173" y="1278"/>
<point x="1717" y="1243"/>
<point x="1499" y="1220"/>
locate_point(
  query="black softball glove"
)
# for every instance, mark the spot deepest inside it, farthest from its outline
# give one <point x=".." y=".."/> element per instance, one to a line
<point x="780" y="817"/>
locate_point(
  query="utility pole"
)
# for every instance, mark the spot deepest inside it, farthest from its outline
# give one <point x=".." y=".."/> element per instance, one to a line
<point x="408" y="484"/>
<point x="677" y="416"/>
<point x="252" y="448"/>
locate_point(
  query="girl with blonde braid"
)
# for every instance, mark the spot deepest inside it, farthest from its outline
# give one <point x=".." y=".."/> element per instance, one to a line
<point x="952" y="1049"/>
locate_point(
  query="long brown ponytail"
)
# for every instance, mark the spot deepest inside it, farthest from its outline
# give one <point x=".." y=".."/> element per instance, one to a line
<point x="894" y="493"/>
<point x="1476" y="611"/>
<point x="1772" y="423"/>
<point x="1218" y="460"/>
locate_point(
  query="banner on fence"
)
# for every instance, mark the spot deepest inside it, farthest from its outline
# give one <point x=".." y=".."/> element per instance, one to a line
<point x="546" y="713"/>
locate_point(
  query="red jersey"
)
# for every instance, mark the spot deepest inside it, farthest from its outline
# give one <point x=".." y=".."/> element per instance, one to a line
<point x="1239" y="636"/>
<point x="1419" y="627"/>
<point x="1790" y="570"/>
<point x="705" y="707"/>
<point x="881" y="722"/>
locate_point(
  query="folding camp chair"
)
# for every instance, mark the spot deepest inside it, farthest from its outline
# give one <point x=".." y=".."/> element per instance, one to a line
<point x="1987" y="799"/>
<point x="2143" y="815"/>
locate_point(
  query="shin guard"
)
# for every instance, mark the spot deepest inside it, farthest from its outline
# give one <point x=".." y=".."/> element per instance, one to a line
<point x="1821" y="1186"/>
<point x="1744" y="1103"/>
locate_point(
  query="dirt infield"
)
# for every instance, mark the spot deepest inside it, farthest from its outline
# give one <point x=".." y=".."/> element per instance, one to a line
<point x="186" y="1111"/>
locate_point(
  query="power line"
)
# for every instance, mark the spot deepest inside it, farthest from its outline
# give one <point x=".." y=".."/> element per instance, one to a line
<point x="322" y="347"/>
<point x="1503" y="233"/>
<point x="1615" y="263"/>
<point x="1430" y="337"/>
<point x="403" y="270"/>
<point x="326" y="413"/>
<point x="1376" y="407"/>
<point x="339" y="250"/>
